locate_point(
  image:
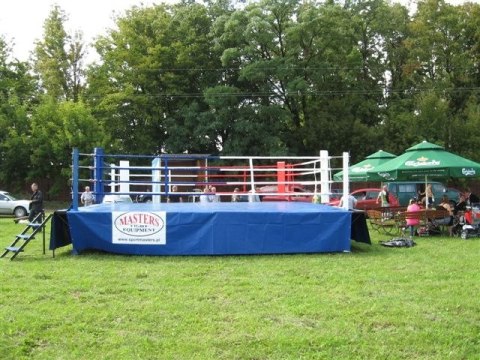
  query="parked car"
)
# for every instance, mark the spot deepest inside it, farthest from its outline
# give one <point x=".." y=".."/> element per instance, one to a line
<point x="112" y="198"/>
<point x="295" y="193"/>
<point x="143" y="198"/>
<point x="405" y="190"/>
<point x="9" y="205"/>
<point x="148" y="198"/>
<point x="367" y="199"/>
<point x="336" y="194"/>
<point x="453" y="194"/>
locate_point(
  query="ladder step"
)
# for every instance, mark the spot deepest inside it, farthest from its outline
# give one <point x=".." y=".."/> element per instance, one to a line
<point x="35" y="227"/>
<point x="13" y="249"/>
<point x="25" y="236"/>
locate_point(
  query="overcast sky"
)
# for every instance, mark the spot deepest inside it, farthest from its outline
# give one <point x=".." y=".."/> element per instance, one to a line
<point x="21" y="21"/>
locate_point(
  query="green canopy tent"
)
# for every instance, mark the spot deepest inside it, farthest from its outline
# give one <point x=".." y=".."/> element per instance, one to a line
<point x="426" y="161"/>
<point x="358" y="172"/>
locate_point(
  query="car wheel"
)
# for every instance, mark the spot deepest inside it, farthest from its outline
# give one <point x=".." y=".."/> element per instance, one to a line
<point x="20" y="212"/>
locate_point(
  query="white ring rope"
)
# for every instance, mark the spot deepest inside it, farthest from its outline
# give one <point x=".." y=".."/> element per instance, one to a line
<point x="253" y="173"/>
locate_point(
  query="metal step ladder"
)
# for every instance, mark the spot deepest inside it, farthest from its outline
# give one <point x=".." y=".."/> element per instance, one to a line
<point x="21" y="240"/>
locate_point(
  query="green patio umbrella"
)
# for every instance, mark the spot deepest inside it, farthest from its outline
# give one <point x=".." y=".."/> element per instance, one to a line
<point x="358" y="172"/>
<point x="426" y="160"/>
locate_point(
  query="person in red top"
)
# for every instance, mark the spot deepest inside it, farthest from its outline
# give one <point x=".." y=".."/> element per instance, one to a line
<point x="412" y="222"/>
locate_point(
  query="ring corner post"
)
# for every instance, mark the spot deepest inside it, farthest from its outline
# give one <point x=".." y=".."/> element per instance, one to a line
<point x="346" y="179"/>
<point x="252" y="175"/>
<point x="324" y="177"/>
<point x="281" y="177"/>
<point x="166" y="178"/>
<point x="156" y="179"/>
<point x="75" y="161"/>
<point x="98" y="174"/>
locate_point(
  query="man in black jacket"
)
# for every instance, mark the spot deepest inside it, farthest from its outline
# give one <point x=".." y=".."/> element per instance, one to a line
<point x="36" y="203"/>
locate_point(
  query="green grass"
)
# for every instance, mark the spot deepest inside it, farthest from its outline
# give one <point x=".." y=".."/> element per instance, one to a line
<point x="372" y="303"/>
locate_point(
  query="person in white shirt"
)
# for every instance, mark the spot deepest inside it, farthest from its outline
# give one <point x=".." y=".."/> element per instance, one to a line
<point x="352" y="202"/>
<point x="235" y="196"/>
<point x="213" y="197"/>
<point x="253" y="196"/>
<point x="205" y="198"/>
<point x="87" y="197"/>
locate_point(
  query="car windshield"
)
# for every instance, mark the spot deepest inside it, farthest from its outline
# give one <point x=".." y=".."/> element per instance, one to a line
<point x="117" y="198"/>
<point x="11" y="197"/>
<point x="299" y="190"/>
<point x="359" y="195"/>
<point x="438" y="188"/>
<point x="372" y="194"/>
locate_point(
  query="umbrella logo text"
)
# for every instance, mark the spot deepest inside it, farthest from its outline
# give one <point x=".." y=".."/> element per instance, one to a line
<point x="468" y="171"/>
<point x="422" y="161"/>
<point x="362" y="169"/>
<point x="386" y="175"/>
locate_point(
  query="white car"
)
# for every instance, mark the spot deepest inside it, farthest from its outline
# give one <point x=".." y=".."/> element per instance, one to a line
<point x="109" y="199"/>
<point x="11" y="206"/>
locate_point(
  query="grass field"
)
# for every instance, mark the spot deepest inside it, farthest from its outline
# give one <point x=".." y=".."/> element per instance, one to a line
<point x="372" y="303"/>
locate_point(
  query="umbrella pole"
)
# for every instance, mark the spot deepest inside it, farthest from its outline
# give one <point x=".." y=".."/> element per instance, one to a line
<point x="426" y="196"/>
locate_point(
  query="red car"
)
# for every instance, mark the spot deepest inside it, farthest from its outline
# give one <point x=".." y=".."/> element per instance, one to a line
<point x="367" y="199"/>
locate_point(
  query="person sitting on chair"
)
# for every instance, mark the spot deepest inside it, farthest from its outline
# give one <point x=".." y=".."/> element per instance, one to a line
<point x="412" y="222"/>
<point x="461" y="205"/>
<point x="448" y="220"/>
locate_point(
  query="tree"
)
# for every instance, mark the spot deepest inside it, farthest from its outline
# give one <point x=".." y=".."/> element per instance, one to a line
<point x="441" y="58"/>
<point x="58" y="59"/>
<point x="56" y="128"/>
<point x="17" y="90"/>
<point x="154" y="69"/>
<point x="304" y="59"/>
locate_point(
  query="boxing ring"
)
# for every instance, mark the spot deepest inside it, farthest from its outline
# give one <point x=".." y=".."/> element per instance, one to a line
<point x="183" y="219"/>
